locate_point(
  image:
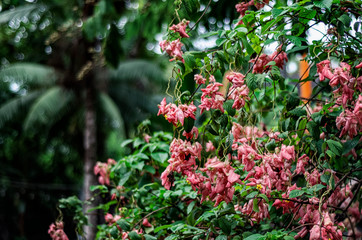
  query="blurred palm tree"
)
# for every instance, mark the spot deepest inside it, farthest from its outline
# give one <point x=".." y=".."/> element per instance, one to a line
<point x="74" y="81"/>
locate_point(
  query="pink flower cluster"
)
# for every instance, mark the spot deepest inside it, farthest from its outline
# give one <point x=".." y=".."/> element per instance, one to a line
<point x="104" y="170"/>
<point x="243" y="7"/>
<point x="173" y="49"/>
<point x="217" y="186"/>
<point x="341" y="78"/>
<point x="183" y="156"/>
<point x="350" y="120"/>
<point x="181" y="28"/>
<point x="260" y="63"/>
<point x="274" y="171"/>
<point x="176" y="114"/>
<point x="199" y="79"/>
<point x="56" y="231"/>
<point x="211" y="98"/>
<point x="239" y="91"/>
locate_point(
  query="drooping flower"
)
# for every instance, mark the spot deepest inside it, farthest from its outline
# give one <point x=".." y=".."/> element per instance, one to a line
<point x="173" y="49"/>
<point x="181" y="28"/>
<point x="324" y="70"/>
<point x="260" y="63"/>
<point x="56" y="231"/>
<point x="211" y="98"/>
<point x="199" y="79"/>
<point x="104" y="170"/>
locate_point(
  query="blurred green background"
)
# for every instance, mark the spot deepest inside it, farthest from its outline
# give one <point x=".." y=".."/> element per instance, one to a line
<point x="76" y="78"/>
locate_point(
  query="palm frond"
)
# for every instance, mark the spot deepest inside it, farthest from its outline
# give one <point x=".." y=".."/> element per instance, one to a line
<point x="15" y="106"/>
<point x="138" y="70"/>
<point x="112" y="111"/>
<point x="18" y="12"/>
<point x="48" y="108"/>
<point x="35" y="75"/>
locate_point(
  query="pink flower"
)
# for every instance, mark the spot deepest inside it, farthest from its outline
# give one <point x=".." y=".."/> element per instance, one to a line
<point x="181" y="28"/>
<point x="176" y="114"/>
<point x="209" y="147"/>
<point x="211" y="98"/>
<point x="301" y="163"/>
<point x="260" y="63"/>
<point x="199" y="79"/>
<point x="194" y="133"/>
<point x="237" y="79"/>
<point x="173" y="49"/>
<point x="359" y="65"/>
<point x="56" y="231"/>
<point x="147" y="138"/>
<point x="279" y="57"/>
<point x="349" y="122"/>
<point x="146" y="223"/>
<point x="104" y="170"/>
<point x="324" y="70"/>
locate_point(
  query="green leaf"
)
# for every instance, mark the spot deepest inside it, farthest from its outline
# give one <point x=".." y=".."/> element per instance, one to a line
<point x="161" y="228"/>
<point x="190" y="62"/>
<point x="225" y="225"/>
<point x="100" y="188"/>
<point x="288" y="238"/>
<point x="349" y="145"/>
<point x="254" y="237"/>
<point x="296" y="49"/>
<point x="190" y="207"/>
<point x="263" y="196"/>
<point x="295" y="193"/>
<point x="298" y="112"/>
<point x="159" y="156"/>
<point x="149" y="237"/>
<point x="271" y="145"/>
<point x="313" y="129"/>
<point x="301" y="127"/>
<point x="255" y="205"/>
<point x="124" y="178"/>
<point x="336" y="147"/>
<point x="150" y="169"/>
<point x="221" y="237"/>
<point x="134" y="236"/>
<point x="317" y="187"/>
<point x="295" y="40"/>
<point x="124" y="225"/>
<point x="323" y="3"/>
<point x="251" y="195"/>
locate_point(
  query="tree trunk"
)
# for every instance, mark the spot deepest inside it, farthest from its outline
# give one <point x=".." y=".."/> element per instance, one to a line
<point x="90" y="154"/>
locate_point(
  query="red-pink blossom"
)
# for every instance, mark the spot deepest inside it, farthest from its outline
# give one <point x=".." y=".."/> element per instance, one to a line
<point x="181" y="28"/>
<point x="199" y="79"/>
<point x="56" y="231"/>
<point x="324" y="70"/>
<point x="260" y="63"/>
<point x="209" y="147"/>
<point x="237" y="79"/>
<point x="173" y="49"/>
<point x="104" y="170"/>
<point x="146" y="223"/>
<point x="359" y="65"/>
<point x="348" y="122"/>
<point x="194" y="133"/>
<point x="239" y="95"/>
<point x="211" y="98"/>
<point x="280" y="58"/>
<point x="176" y="114"/>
